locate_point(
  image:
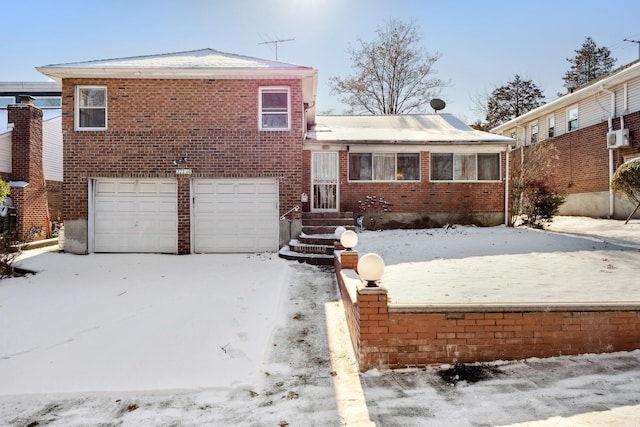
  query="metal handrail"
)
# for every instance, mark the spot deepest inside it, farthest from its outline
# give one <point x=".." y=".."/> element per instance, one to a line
<point x="284" y="215"/>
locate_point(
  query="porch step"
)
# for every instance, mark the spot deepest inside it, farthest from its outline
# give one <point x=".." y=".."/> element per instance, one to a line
<point x="316" y="242"/>
<point x="309" y="258"/>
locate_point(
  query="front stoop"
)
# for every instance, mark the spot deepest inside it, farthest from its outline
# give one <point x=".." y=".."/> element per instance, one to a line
<point x="316" y="242"/>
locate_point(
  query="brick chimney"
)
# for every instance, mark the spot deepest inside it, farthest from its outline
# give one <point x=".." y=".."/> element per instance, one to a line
<point x="32" y="222"/>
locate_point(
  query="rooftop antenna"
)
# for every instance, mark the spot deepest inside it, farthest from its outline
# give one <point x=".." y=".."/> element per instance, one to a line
<point x="437" y="104"/>
<point x="635" y="41"/>
<point x="275" y="42"/>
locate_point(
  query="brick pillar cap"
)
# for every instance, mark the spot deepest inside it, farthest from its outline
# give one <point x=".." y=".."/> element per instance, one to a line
<point x="364" y="290"/>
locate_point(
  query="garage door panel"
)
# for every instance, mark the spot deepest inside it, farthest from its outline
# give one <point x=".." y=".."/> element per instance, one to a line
<point x="238" y="215"/>
<point x="126" y="187"/>
<point x="135" y="216"/>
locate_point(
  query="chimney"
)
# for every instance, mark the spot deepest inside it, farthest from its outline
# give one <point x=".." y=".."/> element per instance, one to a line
<point x="26" y="99"/>
<point x="32" y="222"/>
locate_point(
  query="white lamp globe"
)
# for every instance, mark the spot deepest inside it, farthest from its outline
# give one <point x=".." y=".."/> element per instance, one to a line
<point x="371" y="268"/>
<point x="349" y="239"/>
<point x="338" y="232"/>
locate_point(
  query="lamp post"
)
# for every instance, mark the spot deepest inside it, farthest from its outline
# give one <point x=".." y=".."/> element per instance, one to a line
<point x="338" y="232"/>
<point x="371" y="269"/>
<point x="349" y="239"/>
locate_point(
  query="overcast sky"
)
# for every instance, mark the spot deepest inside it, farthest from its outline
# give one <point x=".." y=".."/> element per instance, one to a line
<point x="483" y="43"/>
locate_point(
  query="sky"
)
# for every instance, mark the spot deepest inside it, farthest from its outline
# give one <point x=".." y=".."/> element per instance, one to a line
<point x="483" y="44"/>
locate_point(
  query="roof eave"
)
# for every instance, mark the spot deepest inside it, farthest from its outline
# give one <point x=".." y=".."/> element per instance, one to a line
<point x="570" y="98"/>
<point x="59" y="73"/>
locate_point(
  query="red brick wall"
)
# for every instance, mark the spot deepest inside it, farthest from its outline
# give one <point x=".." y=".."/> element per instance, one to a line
<point x="153" y="122"/>
<point x="413" y="197"/>
<point x="582" y="162"/>
<point x="32" y="220"/>
<point x="384" y="337"/>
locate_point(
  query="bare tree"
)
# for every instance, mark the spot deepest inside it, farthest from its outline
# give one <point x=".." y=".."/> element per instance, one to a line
<point x="392" y="74"/>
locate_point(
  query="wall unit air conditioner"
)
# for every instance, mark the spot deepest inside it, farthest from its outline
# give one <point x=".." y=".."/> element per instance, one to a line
<point x="618" y="138"/>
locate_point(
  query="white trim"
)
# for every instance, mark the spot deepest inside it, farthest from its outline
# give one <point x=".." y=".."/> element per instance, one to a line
<point x="567" y="112"/>
<point x="467" y="180"/>
<point x="337" y="182"/>
<point x="385" y="181"/>
<point x="76" y="109"/>
<point x="274" y="89"/>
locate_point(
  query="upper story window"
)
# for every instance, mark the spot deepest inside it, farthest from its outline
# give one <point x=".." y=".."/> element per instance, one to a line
<point x="5" y="101"/>
<point x="91" y="108"/>
<point x="275" y="110"/>
<point x="465" y="167"/>
<point x="534" y="133"/>
<point x="384" y="166"/>
<point x="551" y="125"/>
<point x="572" y="118"/>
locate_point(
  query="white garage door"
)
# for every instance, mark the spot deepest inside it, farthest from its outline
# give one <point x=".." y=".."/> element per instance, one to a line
<point x="136" y="215"/>
<point x="235" y="215"/>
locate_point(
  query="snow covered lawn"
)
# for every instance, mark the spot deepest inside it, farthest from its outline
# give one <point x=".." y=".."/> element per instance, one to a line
<point x="253" y="340"/>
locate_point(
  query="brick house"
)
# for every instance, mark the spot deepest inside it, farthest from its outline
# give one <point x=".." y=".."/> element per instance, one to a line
<point x="30" y="152"/>
<point x="195" y="151"/>
<point x="205" y="151"/>
<point x="587" y="134"/>
<point x="428" y="169"/>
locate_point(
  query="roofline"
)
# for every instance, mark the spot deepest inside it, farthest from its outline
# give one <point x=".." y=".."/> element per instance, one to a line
<point x="59" y="73"/>
<point x="511" y="141"/>
<point x="48" y="86"/>
<point x="571" y="98"/>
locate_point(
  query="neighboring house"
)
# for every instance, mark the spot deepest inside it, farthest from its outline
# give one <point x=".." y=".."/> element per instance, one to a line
<point x="186" y="152"/>
<point x="206" y="151"/>
<point x="39" y="146"/>
<point x="428" y="169"/>
<point x="588" y="134"/>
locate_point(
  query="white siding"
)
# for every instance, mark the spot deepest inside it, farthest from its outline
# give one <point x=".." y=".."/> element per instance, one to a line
<point x="52" y="149"/>
<point x="5" y="152"/>
<point x="633" y="95"/>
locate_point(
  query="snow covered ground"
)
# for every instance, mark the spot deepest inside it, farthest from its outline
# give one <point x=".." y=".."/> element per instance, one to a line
<point x="253" y="340"/>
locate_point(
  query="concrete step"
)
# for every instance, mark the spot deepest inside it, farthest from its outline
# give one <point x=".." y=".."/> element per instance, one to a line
<point x="316" y="215"/>
<point x="311" y="248"/>
<point x="314" y="259"/>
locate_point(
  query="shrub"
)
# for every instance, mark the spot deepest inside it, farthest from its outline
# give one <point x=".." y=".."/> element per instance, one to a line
<point x="541" y="202"/>
<point x="625" y="182"/>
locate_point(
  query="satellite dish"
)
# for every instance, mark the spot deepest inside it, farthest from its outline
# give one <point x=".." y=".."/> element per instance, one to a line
<point x="437" y="104"/>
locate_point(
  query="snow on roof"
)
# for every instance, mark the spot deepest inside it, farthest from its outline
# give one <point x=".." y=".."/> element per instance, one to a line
<point x="203" y="58"/>
<point x="412" y="128"/>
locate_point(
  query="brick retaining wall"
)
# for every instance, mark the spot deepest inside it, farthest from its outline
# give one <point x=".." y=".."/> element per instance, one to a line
<point x="393" y="336"/>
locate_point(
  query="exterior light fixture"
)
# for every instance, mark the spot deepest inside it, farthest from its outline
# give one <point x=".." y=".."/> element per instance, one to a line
<point x="338" y="233"/>
<point x="349" y="239"/>
<point x="371" y="269"/>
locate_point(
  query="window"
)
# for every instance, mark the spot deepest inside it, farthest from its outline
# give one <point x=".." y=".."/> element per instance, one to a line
<point x="45" y="102"/>
<point x="274" y="108"/>
<point x="551" y="125"/>
<point x="465" y="167"/>
<point x="572" y="118"/>
<point x="534" y="133"/>
<point x="5" y="101"/>
<point x="91" y="108"/>
<point x="384" y="167"/>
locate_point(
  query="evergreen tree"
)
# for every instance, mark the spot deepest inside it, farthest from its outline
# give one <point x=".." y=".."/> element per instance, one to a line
<point x="512" y="100"/>
<point x="591" y="62"/>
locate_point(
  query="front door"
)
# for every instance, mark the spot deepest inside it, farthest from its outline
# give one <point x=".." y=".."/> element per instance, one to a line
<point x="324" y="182"/>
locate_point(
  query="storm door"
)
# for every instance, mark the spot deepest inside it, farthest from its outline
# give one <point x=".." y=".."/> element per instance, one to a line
<point x="324" y="181"/>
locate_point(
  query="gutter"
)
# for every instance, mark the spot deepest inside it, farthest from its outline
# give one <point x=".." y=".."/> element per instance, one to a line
<point x="611" y="171"/>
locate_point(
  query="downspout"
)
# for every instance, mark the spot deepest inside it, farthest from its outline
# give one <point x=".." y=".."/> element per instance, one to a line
<point x="611" y="116"/>
<point x="506" y="188"/>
